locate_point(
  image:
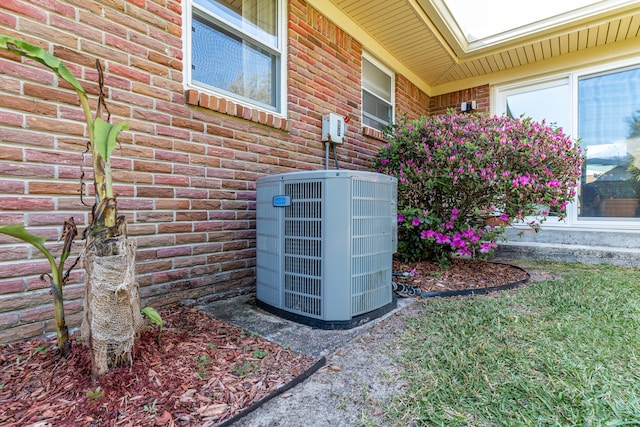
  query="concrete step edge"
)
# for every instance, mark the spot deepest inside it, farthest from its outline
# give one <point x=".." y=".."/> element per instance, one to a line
<point x="569" y="247"/>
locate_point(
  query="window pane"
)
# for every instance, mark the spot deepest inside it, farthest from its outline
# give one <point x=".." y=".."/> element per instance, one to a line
<point x="550" y="104"/>
<point x="257" y="18"/>
<point x="377" y="113"/>
<point x="608" y="119"/>
<point x="376" y="81"/>
<point x="225" y="61"/>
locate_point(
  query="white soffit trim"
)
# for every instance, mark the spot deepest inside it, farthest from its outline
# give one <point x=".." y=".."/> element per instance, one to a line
<point x="469" y="30"/>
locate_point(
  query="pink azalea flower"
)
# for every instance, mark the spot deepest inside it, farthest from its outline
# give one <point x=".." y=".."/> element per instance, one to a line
<point x="427" y="234"/>
<point x="442" y="238"/>
<point x="458" y="241"/>
<point x="485" y="247"/>
<point x="468" y="233"/>
<point x="465" y="251"/>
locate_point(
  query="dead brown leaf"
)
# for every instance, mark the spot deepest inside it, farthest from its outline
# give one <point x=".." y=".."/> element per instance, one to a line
<point x="213" y="410"/>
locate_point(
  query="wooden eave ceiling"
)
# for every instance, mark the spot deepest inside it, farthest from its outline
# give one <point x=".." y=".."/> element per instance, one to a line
<point x="416" y="36"/>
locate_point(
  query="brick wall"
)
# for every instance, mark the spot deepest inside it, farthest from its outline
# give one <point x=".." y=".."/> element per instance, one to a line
<point x="410" y="101"/>
<point x="185" y="172"/>
<point x="441" y="103"/>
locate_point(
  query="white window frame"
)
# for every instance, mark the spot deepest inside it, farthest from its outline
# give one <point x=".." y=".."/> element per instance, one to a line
<point x="391" y="74"/>
<point x="280" y="109"/>
<point x="498" y="107"/>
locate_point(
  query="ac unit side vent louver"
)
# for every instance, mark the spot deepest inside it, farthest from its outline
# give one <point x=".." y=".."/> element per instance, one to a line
<point x="303" y="233"/>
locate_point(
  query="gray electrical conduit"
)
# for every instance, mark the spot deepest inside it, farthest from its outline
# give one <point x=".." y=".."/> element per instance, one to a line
<point x="326" y="155"/>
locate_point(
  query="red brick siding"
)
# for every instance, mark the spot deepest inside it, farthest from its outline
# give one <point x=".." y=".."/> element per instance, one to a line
<point x="410" y="100"/>
<point x="441" y="103"/>
<point x="184" y="173"/>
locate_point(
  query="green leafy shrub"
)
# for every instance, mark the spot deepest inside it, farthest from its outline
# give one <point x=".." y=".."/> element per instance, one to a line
<point x="462" y="178"/>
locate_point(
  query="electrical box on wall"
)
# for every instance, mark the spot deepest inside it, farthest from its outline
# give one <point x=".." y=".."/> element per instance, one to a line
<point x="468" y="106"/>
<point x="333" y="128"/>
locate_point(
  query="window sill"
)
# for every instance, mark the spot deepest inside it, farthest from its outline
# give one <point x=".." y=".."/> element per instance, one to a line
<point x="223" y="105"/>
<point x="372" y="133"/>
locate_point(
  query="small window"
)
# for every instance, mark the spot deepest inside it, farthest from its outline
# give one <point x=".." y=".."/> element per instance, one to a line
<point x="377" y="94"/>
<point x="236" y="49"/>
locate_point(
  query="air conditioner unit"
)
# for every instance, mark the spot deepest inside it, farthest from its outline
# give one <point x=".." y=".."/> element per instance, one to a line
<point x="325" y="241"/>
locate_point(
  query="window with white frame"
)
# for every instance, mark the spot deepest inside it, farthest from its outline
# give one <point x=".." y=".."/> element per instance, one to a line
<point x="601" y="108"/>
<point x="609" y="128"/>
<point x="378" y="84"/>
<point x="236" y="49"/>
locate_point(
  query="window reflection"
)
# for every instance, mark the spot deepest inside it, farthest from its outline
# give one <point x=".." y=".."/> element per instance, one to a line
<point x="547" y="103"/>
<point x="248" y="71"/>
<point x="236" y="51"/>
<point x="609" y="126"/>
<point x="254" y="17"/>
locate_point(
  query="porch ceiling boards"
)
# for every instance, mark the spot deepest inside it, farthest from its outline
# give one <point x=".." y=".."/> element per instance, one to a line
<point x="418" y="36"/>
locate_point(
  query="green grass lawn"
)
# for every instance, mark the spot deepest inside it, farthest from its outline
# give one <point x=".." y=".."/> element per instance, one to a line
<point x="563" y="352"/>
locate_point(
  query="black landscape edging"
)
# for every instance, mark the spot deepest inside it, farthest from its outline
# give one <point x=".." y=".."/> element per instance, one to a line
<point x="297" y="380"/>
<point x="480" y="291"/>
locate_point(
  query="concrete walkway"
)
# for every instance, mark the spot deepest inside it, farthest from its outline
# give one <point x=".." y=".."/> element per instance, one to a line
<point x="359" y="376"/>
<point x="242" y="311"/>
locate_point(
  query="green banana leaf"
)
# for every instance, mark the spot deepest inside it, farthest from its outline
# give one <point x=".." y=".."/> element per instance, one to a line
<point x="40" y="55"/>
<point x="106" y="136"/>
<point x="21" y="233"/>
<point x="153" y="315"/>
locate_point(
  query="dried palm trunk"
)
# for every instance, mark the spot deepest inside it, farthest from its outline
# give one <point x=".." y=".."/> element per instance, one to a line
<point x="112" y="316"/>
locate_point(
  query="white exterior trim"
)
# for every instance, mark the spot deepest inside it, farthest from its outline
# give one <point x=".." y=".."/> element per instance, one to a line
<point x="386" y="70"/>
<point x="187" y="18"/>
<point x="498" y="107"/>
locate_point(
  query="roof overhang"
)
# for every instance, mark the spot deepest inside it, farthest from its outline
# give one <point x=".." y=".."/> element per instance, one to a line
<point x="422" y="40"/>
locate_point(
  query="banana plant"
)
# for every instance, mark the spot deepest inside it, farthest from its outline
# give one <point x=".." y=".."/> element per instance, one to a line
<point x="102" y="134"/>
<point x="57" y="278"/>
<point x="102" y="142"/>
<point x="155" y="318"/>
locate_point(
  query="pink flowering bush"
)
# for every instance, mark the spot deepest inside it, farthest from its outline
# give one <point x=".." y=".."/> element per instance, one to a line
<point x="462" y="178"/>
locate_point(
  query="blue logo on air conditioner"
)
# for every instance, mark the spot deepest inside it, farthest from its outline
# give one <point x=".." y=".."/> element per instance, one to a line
<point x="281" y="201"/>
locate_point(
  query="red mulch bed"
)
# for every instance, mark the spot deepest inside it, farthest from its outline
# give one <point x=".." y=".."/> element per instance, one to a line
<point x="203" y="372"/>
<point x="461" y="274"/>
